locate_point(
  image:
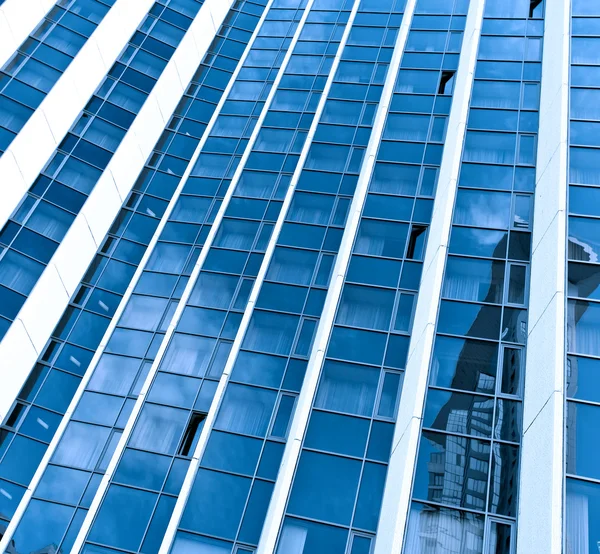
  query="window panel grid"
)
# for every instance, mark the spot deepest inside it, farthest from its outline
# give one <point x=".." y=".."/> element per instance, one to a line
<point x="33" y="233"/>
<point x="281" y="330"/>
<point x="198" y="350"/>
<point x="29" y="75"/>
<point x="468" y="456"/>
<point x="582" y="478"/>
<point x="64" y="360"/>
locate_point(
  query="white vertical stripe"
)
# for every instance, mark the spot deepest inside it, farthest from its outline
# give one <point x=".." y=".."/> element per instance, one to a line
<point x="213" y="12"/>
<point x="17" y="20"/>
<point x="540" y="518"/>
<point x="396" y="497"/>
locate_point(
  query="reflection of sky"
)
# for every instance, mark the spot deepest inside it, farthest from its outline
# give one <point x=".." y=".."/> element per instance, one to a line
<point x="482" y="209"/>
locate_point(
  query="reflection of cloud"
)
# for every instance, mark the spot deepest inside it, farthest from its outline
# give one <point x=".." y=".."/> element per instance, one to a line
<point x="588" y="249"/>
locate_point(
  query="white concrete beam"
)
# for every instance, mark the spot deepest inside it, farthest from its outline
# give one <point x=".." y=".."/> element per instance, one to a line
<point x="540" y="518"/>
<point x="17" y="20"/>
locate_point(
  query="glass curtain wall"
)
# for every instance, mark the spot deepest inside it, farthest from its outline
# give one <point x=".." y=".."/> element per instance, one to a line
<point x="269" y="370"/>
<point x="139" y="519"/>
<point x="31" y="72"/>
<point x="34" y="231"/>
<point x="50" y="388"/>
<point x="582" y="505"/>
<point x="336" y="495"/>
<point x="465" y="495"/>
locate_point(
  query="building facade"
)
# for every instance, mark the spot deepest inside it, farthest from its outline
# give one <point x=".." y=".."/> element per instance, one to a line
<point x="299" y="276"/>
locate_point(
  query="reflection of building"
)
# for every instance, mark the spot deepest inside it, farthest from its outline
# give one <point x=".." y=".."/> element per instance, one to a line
<point x="459" y="471"/>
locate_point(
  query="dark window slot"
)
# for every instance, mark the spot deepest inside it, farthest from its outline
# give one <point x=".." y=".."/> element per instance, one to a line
<point x="446" y="82"/>
<point x="416" y="242"/>
<point x="192" y="434"/>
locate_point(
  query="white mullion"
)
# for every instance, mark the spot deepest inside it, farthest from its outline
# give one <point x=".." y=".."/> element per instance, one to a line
<point x="540" y="522"/>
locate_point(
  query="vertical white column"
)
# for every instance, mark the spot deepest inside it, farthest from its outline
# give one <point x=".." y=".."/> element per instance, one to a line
<point x="28" y="334"/>
<point x="396" y="498"/>
<point x="540" y="517"/>
<point x="291" y="455"/>
<point x="17" y="20"/>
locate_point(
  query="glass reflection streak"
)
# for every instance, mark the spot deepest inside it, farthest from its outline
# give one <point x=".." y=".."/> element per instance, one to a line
<point x="53" y="381"/>
<point x="469" y="451"/>
<point x="582" y="505"/>
<point x="34" y="231"/>
<point x="336" y="495"/>
<point x="29" y="75"/>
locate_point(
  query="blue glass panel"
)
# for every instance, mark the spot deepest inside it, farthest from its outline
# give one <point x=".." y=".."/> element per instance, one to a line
<point x="123" y="505"/>
<point x="210" y="511"/>
<point x="325" y="487"/>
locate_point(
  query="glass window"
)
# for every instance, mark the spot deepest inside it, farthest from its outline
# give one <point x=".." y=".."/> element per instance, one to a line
<point x="482" y="209"/>
<point x="471" y="320"/>
<point x="233" y="453"/>
<point x="584" y="239"/>
<point x="583" y="327"/>
<point x="186" y="543"/>
<point x="255" y="511"/>
<point x="583" y="378"/>
<point x="271" y="332"/>
<point x="187" y="354"/>
<point x="381" y="238"/>
<point x="496" y="94"/>
<point x="581" y="434"/>
<point x="174" y="390"/>
<point x="366" y="307"/>
<point x="209" y="510"/>
<point x="43" y="524"/>
<point x="474" y="280"/>
<point x="114" y="374"/>
<point x="158" y="429"/>
<point x="307" y="537"/>
<point x="583" y="514"/>
<point x="347" y="388"/>
<point x="503" y="485"/>
<point x="81" y="445"/>
<point x="325" y="487"/>
<point x="390" y="391"/>
<point x="143" y="312"/>
<point x="292" y="266"/>
<point x="283" y="416"/>
<point x="246" y="410"/>
<point x="123" y="517"/>
<point x="467" y="535"/>
<point x="459" y="413"/>
<point x="337" y="433"/>
<point x="370" y="495"/>
<point x="449" y="460"/>
<point x="142" y="469"/>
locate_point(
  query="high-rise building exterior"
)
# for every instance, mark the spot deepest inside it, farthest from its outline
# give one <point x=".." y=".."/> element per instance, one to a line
<point x="299" y="276"/>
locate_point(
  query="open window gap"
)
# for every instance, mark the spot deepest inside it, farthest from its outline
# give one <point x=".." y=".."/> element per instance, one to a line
<point x="192" y="434"/>
<point x="446" y="82"/>
<point x="533" y="4"/>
